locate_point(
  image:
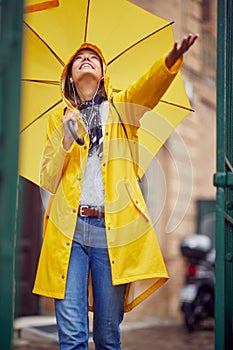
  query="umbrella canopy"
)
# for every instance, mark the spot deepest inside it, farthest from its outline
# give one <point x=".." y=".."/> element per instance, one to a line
<point x="131" y="39"/>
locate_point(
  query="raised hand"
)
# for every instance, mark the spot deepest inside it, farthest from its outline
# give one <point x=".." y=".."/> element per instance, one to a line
<point x="179" y="49"/>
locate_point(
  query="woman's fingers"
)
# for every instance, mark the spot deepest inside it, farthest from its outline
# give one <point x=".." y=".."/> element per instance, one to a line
<point x="66" y="118"/>
<point x="69" y="116"/>
<point x="186" y="43"/>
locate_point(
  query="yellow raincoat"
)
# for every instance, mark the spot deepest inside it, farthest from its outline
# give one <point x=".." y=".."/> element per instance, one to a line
<point x="134" y="253"/>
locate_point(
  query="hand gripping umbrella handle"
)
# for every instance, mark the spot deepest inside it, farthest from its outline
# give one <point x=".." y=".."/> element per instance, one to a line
<point x="79" y="140"/>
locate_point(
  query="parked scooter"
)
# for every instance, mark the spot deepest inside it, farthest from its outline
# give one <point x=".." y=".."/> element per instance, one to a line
<point x="197" y="294"/>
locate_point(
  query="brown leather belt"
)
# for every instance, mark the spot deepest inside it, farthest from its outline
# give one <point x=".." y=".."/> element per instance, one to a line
<point x="92" y="212"/>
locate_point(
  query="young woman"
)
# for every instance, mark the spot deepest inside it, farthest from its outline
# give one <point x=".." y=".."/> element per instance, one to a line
<point x="100" y="251"/>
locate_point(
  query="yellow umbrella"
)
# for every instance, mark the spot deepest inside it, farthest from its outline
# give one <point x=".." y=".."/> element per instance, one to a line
<point x="131" y="39"/>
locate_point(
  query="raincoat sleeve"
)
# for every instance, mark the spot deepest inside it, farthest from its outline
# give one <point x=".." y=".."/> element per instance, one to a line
<point x="148" y="89"/>
<point x="143" y="95"/>
<point x="55" y="158"/>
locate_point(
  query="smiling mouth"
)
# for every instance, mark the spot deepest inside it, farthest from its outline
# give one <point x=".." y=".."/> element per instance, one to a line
<point x="86" y="65"/>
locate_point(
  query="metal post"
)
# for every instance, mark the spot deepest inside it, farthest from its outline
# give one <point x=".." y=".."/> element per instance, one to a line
<point x="224" y="180"/>
<point x="11" y="14"/>
<point x="220" y="197"/>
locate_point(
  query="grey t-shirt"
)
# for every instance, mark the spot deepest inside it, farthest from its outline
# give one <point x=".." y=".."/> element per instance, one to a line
<point x="92" y="189"/>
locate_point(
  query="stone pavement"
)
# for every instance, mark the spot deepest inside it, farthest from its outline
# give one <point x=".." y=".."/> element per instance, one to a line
<point x="144" y="336"/>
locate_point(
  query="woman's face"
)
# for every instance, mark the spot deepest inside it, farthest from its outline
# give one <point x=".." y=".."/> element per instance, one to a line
<point x="86" y="63"/>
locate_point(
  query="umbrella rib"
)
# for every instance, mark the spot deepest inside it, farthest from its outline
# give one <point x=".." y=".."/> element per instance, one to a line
<point x="87" y="19"/>
<point x="176" y="105"/>
<point x="44" y="42"/>
<point x="49" y="82"/>
<point x="40" y="116"/>
<point x="139" y="41"/>
<point x="163" y="101"/>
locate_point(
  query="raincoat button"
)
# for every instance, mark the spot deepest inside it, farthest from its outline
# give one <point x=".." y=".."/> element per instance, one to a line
<point x="79" y="178"/>
<point x="109" y="228"/>
<point x="74" y="210"/>
<point x="85" y="147"/>
<point x="68" y="243"/>
<point x="113" y="262"/>
<point x="104" y="164"/>
<point x="62" y="276"/>
<point x="106" y="133"/>
<point x="136" y="201"/>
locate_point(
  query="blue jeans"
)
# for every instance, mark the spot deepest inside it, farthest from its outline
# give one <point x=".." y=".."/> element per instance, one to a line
<point x="88" y="254"/>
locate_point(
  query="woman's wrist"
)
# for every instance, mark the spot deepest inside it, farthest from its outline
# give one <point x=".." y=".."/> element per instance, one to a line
<point x="67" y="142"/>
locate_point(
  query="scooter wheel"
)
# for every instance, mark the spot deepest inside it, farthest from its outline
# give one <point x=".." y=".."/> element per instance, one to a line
<point x="189" y="318"/>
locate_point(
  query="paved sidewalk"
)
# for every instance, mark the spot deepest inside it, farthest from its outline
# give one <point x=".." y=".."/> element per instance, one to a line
<point x="135" y="336"/>
<point x="167" y="338"/>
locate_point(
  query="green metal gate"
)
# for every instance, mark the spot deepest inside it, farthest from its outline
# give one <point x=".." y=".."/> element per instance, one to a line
<point x="223" y="180"/>
<point x="11" y="14"/>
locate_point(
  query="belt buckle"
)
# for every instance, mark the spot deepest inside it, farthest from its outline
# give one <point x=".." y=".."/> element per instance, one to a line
<point x="82" y="207"/>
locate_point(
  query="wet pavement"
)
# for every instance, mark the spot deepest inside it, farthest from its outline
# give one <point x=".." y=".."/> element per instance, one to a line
<point x="168" y="338"/>
<point x="159" y="335"/>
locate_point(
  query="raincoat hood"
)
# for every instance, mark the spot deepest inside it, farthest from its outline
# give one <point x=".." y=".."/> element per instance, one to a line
<point x="64" y="76"/>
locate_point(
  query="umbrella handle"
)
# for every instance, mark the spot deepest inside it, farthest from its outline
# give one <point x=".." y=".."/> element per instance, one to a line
<point x="79" y="140"/>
